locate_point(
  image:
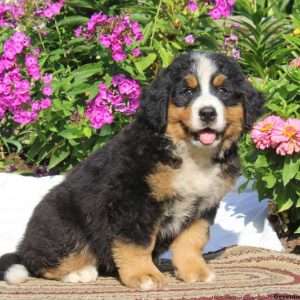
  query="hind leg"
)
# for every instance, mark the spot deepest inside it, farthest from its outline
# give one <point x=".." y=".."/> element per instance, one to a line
<point x="76" y="267"/>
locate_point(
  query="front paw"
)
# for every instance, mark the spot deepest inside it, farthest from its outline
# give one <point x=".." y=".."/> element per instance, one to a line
<point x="195" y="271"/>
<point x="145" y="280"/>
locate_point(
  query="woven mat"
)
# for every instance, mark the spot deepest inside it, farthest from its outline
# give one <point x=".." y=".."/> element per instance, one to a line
<point x="242" y="273"/>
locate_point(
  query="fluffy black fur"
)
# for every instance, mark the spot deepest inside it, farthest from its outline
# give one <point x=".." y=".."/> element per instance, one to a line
<point x="106" y="197"/>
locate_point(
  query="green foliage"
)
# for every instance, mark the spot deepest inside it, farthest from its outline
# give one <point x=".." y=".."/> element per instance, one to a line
<point x="277" y="177"/>
<point x="262" y="38"/>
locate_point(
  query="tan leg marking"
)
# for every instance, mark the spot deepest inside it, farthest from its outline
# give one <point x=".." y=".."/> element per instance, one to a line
<point x="160" y="182"/>
<point x="178" y="117"/>
<point x="219" y="80"/>
<point x="74" y="262"/>
<point x="234" y="116"/>
<point x="186" y="250"/>
<point x="135" y="265"/>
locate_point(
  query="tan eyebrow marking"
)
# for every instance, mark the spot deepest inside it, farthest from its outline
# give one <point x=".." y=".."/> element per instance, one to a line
<point x="192" y="81"/>
<point x="219" y="79"/>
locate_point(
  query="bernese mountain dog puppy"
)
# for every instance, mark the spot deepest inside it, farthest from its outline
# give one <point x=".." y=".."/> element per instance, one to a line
<point x="155" y="186"/>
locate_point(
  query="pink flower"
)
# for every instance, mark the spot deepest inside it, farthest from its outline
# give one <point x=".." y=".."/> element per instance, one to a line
<point x="23" y="116"/>
<point x="9" y="49"/>
<point x="262" y="132"/>
<point x="192" y="5"/>
<point x="30" y="60"/>
<point x="116" y="46"/>
<point x="287" y="136"/>
<point x="105" y="40"/>
<point x="47" y="78"/>
<point x="78" y="31"/>
<point x="18" y="37"/>
<point x="117" y="79"/>
<point x="136" y="52"/>
<point x="222" y="4"/>
<point x="34" y="71"/>
<point x="119" y="56"/>
<point x="47" y="90"/>
<point x="189" y="39"/>
<point x="215" y="13"/>
<point x="127" y="40"/>
<point x="295" y="62"/>
<point x="45" y="103"/>
<point x="99" y="116"/>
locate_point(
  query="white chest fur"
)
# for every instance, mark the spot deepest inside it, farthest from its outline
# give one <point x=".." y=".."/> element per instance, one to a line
<point x="199" y="185"/>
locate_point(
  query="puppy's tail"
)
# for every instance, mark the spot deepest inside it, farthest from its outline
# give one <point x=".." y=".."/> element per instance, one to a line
<point x="11" y="269"/>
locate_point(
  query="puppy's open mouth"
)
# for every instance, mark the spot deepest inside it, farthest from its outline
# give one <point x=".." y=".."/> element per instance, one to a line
<point x="206" y="136"/>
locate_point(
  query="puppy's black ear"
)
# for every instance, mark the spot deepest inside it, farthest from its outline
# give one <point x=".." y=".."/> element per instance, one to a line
<point x="154" y="103"/>
<point x="253" y="103"/>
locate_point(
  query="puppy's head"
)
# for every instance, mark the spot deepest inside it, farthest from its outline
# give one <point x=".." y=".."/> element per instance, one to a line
<point x="203" y="99"/>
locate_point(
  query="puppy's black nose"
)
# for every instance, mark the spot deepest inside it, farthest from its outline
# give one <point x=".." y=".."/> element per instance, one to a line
<point x="207" y="114"/>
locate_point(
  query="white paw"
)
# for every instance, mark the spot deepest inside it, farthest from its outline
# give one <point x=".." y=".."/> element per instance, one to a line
<point x="147" y="285"/>
<point x="86" y="274"/>
<point x="16" y="274"/>
<point x="211" y="277"/>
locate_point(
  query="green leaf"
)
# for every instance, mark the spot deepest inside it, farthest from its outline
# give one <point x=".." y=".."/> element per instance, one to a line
<point x="87" y="131"/>
<point x="261" y="161"/>
<point x="298" y="230"/>
<point x="165" y="56"/>
<point x="88" y="70"/>
<point x="17" y="144"/>
<point x="144" y="62"/>
<point x="285" y="205"/>
<point x="58" y="156"/>
<point x="82" y="3"/>
<point x="73" y="20"/>
<point x="106" y="130"/>
<point x="243" y="186"/>
<point x="71" y="133"/>
<point x="290" y="169"/>
<point x="168" y="2"/>
<point x="270" y="179"/>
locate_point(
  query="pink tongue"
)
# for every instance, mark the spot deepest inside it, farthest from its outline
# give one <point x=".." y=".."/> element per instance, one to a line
<point x="207" y="137"/>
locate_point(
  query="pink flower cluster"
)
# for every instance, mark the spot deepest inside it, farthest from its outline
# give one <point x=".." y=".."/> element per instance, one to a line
<point x="273" y="132"/>
<point x="222" y="8"/>
<point x="113" y="32"/>
<point x="122" y="96"/>
<point x="51" y="9"/>
<point x="12" y="11"/>
<point x="192" y="5"/>
<point x="15" y="91"/>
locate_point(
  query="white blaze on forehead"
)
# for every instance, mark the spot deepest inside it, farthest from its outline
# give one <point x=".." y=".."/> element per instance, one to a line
<point x="205" y="69"/>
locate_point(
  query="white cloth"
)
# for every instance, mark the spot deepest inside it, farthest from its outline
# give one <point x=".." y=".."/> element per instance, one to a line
<point x="241" y="219"/>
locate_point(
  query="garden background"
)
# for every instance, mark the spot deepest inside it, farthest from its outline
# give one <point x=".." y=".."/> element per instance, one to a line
<point x="72" y="72"/>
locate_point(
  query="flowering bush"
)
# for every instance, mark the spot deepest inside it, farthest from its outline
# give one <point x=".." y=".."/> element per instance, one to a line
<point x="271" y="153"/>
<point x="16" y="90"/>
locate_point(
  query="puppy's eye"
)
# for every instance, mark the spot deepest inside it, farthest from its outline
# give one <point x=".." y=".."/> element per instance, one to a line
<point x="222" y="91"/>
<point x="188" y="92"/>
